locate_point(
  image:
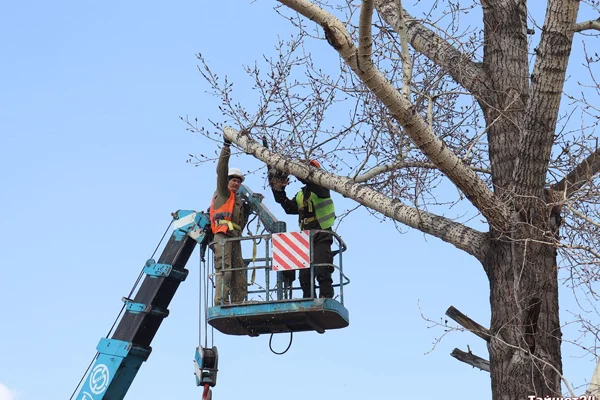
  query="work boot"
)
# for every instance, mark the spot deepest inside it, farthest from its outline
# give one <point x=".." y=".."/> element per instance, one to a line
<point x="325" y="282"/>
<point x="237" y="300"/>
<point x="218" y="301"/>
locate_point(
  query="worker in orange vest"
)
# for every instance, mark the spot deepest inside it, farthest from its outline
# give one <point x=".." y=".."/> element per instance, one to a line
<point x="228" y="218"/>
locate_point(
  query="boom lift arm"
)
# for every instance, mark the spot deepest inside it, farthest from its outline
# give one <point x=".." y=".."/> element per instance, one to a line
<point x="272" y="224"/>
<point x="119" y="357"/>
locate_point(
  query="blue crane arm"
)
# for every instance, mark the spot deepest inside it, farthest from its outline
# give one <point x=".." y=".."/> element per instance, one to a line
<point x="120" y="356"/>
<point x="271" y="224"/>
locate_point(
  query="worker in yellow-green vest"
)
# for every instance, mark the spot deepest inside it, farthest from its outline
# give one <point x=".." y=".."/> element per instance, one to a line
<point x="228" y="215"/>
<point x="315" y="210"/>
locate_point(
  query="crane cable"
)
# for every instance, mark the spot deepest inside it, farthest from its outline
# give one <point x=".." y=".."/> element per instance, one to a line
<point x="203" y="283"/>
<point x="254" y="245"/>
<point x="122" y="308"/>
<point x="286" y="349"/>
<point x="254" y="249"/>
<point x="201" y="266"/>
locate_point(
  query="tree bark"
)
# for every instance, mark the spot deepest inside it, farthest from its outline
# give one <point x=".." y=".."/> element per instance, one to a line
<point x="522" y="274"/>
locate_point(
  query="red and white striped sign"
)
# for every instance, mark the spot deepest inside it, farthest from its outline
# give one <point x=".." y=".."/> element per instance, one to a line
<point x="291" y="250"/>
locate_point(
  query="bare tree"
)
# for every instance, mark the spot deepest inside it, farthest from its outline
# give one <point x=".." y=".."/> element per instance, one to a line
<point x="420" y="104"/>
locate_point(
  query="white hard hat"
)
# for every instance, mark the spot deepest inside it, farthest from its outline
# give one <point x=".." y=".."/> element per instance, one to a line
<point x="235" y="172"/>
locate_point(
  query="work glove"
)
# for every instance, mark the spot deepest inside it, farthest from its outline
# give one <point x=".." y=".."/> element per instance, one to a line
<point x="247" y="208"/>
<point x="226" y="141"/>
<point x="277" y="180"/>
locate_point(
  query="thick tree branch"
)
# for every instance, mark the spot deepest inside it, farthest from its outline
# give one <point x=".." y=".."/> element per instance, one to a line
<point x="547" y="83"/>
<point x="404" y="112"/>
<point x="587" y="25"/>
<point x="470" y="240"/>
<point x="471" y="359"/>
<point x="365" y="36"/>
<point x="463" y="70"/>
<point x="578" y="177"/>
<point x="406" y="59"/>
<point x="506" y="62"/>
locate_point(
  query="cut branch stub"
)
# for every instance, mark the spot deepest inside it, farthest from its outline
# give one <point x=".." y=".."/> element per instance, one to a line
<point x="471" y="359"/>
<point x="468" y="323"/>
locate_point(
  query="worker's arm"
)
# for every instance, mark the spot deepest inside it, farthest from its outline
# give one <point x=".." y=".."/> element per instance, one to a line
<point x="289" y="206"/>
<point x="222" y="171"/>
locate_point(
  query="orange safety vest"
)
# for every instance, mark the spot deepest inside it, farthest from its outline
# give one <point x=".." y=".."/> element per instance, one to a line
<point x="220" y="219"/>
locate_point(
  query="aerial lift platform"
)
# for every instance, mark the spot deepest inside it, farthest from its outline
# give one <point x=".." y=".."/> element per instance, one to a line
<point x="127" y="345"/>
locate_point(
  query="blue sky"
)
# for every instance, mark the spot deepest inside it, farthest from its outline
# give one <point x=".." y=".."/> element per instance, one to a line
<point x="92" y="163"/>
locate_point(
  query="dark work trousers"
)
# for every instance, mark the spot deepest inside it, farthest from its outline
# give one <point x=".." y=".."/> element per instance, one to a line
<point x="229" y="283"/>
<point x="322" y="242"/>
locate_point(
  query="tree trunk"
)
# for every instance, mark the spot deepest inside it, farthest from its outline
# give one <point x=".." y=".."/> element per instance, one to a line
<point x="525" y="354"/>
